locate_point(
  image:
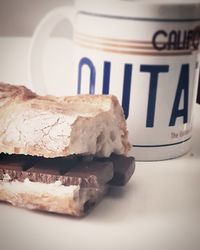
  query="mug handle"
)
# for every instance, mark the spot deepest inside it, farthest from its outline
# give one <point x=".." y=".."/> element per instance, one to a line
<point x="40" y="37"/>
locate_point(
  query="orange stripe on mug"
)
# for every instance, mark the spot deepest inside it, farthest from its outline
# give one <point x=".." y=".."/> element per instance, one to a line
<point x="132" y="52"/>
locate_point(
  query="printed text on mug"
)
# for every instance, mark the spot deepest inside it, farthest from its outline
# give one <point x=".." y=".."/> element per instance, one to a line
<point x="154" y="71"/>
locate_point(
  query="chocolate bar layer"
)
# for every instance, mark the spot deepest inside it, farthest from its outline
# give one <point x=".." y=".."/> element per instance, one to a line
<point x="115" y="170"/>
<point x="72" y="172"/>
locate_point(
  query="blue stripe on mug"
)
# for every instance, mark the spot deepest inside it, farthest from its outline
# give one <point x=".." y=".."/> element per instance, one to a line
<point x="161" y="145"/>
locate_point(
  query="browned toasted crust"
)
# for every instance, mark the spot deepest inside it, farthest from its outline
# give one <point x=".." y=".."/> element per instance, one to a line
<point x="87" y="109"/>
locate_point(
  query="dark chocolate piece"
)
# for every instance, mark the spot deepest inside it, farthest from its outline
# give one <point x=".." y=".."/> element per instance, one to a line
<point x="124" y="168"/>
<point x="20" y="162"/>
<point x="14" y="165"/>
<point x="49" y="170"/>
<point x="2" y="156"/>
<point x="90" y="173"/>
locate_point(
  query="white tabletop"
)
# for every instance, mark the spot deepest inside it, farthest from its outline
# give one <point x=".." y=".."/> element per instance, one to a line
<point x="159" y="209"/>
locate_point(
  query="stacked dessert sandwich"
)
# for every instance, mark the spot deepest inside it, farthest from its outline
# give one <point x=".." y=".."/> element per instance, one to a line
<point x="61" y="154"/>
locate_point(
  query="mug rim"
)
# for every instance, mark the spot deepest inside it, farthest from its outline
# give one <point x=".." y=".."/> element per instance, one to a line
<point x="186" y="11"/>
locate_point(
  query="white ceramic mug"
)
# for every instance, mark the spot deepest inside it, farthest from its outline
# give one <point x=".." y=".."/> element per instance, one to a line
<point x="145" y="53"/>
